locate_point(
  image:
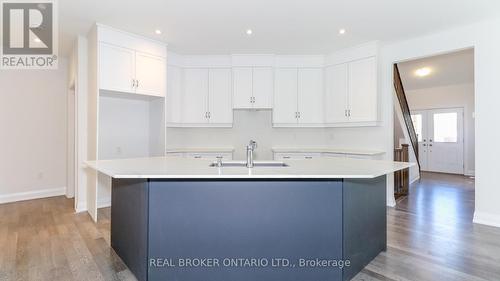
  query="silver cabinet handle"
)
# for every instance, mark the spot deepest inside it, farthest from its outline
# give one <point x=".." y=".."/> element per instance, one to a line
<point x="309" y="157"/>
<point x="137" y="84"/>
<point x="197" y="156"/>
<point x="286" y="157"/>
<point x="133" y="83"/>
<point x="349" y="112"/>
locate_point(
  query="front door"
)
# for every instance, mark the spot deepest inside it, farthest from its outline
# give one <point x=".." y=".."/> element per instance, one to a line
<point x="440" y="139"/>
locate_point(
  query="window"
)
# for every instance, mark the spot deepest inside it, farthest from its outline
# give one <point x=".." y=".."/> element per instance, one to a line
<point x="445" y="127"/>
<point x="417" y="124"/>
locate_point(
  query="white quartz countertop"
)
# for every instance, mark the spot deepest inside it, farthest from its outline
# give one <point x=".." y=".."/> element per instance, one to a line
<point x="324" y="149"/>
<point x="181" y="168"/>
<point x="200" y="149"/>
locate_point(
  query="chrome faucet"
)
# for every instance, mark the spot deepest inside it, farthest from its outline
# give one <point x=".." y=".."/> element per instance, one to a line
<point x="250" y="148"/>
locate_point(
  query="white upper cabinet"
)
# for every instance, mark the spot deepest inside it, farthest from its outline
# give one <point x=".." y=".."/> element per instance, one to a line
<point x="285" y="97"/>
<point x="220" y="109"/>
<point x="202" y="97"/>
<point x="263" y="87"/>
<point x="336" y="93"/>
<point x="363" y="90"/>
<point x="243" y="87"/>
<point x="310" y="96"/>
<point x="150" y="74"/>
<point x="131" y="64"/>
<point x="117" y="68"/>
<point x="253" y="87"/>
<point x="174" y="94"/>
<point x="195" y="97"/>
<point x="298" y="97"/>
<point x="351" y="93"/>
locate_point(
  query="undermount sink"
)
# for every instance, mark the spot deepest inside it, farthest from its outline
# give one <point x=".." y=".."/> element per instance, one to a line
<point x="244" y="164"/>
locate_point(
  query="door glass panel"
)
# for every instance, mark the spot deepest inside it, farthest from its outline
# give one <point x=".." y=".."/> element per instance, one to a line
<point x="417" y="124"/>
<point x="445" y="127"/>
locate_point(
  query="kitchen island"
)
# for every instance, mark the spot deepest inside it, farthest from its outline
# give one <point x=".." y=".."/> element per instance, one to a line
<point x="182" y="219"/>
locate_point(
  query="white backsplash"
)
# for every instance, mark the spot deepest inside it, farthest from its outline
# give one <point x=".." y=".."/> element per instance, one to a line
<point x="257" y="125"/>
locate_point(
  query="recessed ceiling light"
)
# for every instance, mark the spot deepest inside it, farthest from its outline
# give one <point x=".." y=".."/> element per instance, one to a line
<point x="37" y="40"/>
<point x="158" y="31"/>
<point x="424" y="71"/>
<point x="249" y="32"/>
<point x="342" y="31"/>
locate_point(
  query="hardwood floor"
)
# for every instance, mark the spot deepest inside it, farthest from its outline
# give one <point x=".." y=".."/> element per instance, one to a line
<point x="45" y="240"/>
<point x="430" y="237"/>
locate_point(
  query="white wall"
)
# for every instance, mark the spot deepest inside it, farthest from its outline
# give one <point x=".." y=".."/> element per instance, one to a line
<point x="449" y="97"/>
<point x="123" y="126"/>
<point x="33" y="133"/>
<point x="484" y="37"/>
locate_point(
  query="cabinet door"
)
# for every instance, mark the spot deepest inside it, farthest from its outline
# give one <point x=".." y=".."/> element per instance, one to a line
<point x="263" y="87"/>
<point x="285" y="96"/>
<point x="174" y="94"/>
<point x="195" y="99"/>
<point x="279" y="156"/>
<point x="310" y="96"/>
<point x="150" y="74"/>
<point x="363" y="90"/>
<point x="209" y="155"/>
<point x="116" y="68"/>
<point x="336" y="93"/>
<point x="242" y="87"/>
<point x="220" y="98"/>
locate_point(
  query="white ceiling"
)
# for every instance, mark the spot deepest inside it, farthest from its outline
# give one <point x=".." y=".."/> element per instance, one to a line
<point x="279" y="26"/>
<point x="448" y="69"/>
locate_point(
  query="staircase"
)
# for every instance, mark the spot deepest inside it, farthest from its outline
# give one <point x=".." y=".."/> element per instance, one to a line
<point x="401" y="187"/>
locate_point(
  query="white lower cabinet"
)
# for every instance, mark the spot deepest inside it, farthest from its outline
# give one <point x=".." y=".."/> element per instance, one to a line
<point x="203" y="155"/>
<point x="298" y="97"/>
<point x="281" y="156"/>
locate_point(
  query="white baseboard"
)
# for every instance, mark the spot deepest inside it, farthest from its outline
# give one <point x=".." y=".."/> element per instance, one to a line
<point x="81" y="207"/>
<point x="470" y="173"/>
<point x="35" y="194"/>
<point x="414" y="180"/>
<point x="486" y="219"/>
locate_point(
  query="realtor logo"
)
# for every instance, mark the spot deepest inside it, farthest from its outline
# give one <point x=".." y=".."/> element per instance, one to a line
<point x="29" y="33"/>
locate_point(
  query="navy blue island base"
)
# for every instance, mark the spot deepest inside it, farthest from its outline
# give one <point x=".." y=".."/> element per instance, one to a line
<point x="247" y="230"/>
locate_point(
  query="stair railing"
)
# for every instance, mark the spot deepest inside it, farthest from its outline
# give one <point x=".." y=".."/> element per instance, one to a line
<point x="405" y="109"/>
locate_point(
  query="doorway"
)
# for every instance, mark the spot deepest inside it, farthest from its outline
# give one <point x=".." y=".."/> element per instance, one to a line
<point x="440" y="135"/>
